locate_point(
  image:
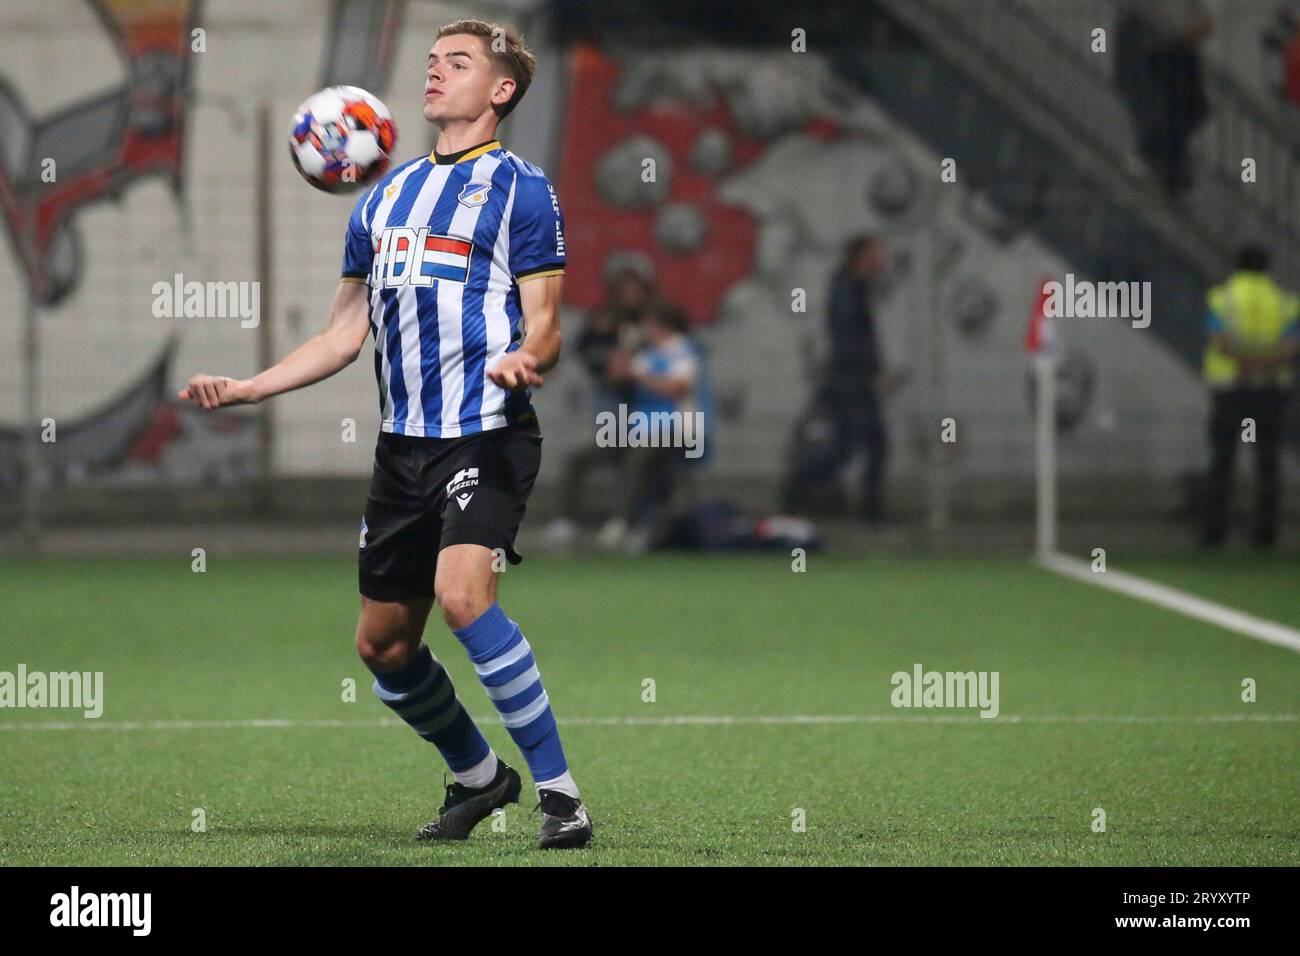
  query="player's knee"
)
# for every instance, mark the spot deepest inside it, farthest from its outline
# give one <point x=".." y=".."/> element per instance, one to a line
<point x="462" y="605"/>
<point x="381" y="652"/>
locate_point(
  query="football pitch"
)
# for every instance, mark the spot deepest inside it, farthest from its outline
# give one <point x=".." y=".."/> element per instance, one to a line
<point x="715" y="710"/>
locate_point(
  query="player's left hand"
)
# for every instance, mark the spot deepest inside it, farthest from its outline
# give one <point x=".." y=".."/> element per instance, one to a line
<point x="515" y="370"/>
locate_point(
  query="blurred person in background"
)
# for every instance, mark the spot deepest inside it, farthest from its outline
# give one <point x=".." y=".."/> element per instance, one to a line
<point x="666" y="375"/>
<point x="1253" y="331"/>
<point x="854" y="381"/>
<point x="610" y="333"/>
<point x="1158" y="71"/>
<point x="609" y="337"/>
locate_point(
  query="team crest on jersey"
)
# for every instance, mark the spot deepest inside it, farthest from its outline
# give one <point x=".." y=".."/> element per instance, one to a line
<point x="474" y="194"/>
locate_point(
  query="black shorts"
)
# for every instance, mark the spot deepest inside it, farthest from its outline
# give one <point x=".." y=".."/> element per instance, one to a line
<point x="428" y="493"/>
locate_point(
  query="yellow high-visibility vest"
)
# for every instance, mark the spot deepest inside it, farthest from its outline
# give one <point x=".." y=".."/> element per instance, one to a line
<point x="1255" y="312"/>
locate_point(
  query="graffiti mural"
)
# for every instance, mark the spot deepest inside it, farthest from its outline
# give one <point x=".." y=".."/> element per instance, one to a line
<point x="98" y="147"/>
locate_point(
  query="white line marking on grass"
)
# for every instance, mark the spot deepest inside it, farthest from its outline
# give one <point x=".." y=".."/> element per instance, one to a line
<point x="685" y="720"/>
<point x="1175" y="600"/>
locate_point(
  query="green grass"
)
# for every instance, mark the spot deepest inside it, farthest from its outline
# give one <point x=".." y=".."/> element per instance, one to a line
<point x="740" y="636"/>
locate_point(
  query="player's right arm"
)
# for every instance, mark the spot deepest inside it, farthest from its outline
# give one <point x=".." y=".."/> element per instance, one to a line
<point x="318" y="358"/>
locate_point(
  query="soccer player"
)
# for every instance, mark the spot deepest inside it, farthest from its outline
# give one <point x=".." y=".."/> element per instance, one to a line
<point x="455" y="263"/>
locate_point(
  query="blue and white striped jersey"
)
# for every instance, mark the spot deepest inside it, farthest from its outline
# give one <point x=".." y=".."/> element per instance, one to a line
<point x="443" y="243"/>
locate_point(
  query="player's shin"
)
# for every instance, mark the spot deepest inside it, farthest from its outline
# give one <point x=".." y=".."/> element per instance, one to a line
<point x="504" y="662"/>
<point x="421" y="693"/>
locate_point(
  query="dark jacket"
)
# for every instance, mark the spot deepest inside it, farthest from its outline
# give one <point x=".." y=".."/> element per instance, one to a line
<point x="854" y="359"/>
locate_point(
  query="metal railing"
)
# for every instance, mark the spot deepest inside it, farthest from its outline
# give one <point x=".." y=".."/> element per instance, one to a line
<point x="1054" y="59"/>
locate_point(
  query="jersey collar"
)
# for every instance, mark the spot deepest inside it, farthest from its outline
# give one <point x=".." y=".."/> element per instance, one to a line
<point x="472" y="152"/>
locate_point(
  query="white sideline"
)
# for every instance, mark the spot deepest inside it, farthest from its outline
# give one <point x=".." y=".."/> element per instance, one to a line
<point x="690" y="719"/>
<point x="1180" y="601"/>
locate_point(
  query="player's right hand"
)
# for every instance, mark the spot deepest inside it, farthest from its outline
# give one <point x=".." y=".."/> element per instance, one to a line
<point x="214" y="391"/>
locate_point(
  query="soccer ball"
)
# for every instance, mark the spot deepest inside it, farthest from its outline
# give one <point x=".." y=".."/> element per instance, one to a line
<point x="342" y="139"/>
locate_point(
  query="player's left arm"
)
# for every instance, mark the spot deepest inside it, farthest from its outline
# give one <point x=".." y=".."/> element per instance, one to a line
<point x="536" y="260"/>
<point x="539" y="298"/>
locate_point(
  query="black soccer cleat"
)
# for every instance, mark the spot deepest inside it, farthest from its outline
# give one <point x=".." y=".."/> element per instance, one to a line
<point x="466" y="807"/>
<point x="565" y="823"/>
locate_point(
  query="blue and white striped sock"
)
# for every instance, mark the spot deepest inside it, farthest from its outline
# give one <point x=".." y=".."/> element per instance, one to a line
<point x="505" y="666"/>
<point x="421" y="693"/>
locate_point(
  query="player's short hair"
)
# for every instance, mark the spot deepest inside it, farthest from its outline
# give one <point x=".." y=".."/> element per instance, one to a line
<point x="670" y="316"/>
<point x="625" y="274"/>
<point x="513" y="59"/>
<point x="858" y="245"/>
<point x="1253" y="257"/>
